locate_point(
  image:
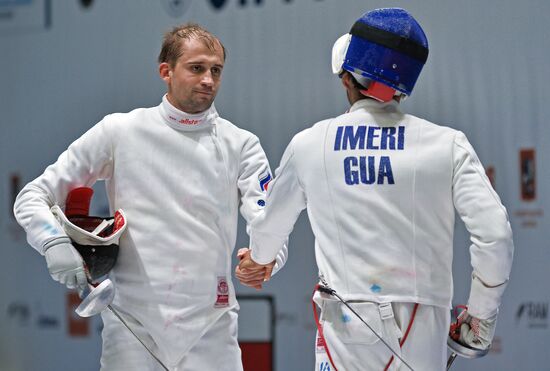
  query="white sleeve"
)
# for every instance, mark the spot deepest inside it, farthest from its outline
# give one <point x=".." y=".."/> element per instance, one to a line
<point x="285" y="201"/>
<point x="254" y="178"/>
<point x="487" y="222"/>
<point x="86" y="160"/>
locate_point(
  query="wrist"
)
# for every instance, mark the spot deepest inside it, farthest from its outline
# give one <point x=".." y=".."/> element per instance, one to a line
<point x="56" y="241"/>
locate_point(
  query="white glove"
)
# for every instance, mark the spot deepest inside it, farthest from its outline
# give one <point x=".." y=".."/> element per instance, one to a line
<point x="65" y="263"/>
<point x="476" y="333"/>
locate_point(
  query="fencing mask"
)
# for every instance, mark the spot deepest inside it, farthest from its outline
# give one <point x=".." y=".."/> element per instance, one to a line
<point x="95" y="238"/>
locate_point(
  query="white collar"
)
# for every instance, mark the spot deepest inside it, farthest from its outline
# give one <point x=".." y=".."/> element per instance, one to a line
<point x="184" y="121"/>
<point x="372" y="104"/>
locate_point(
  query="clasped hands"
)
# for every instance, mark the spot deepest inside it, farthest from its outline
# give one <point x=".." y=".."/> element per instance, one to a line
<point x="249" y="272"/>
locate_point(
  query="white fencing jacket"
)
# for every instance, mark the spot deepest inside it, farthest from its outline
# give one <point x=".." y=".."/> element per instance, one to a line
<point x="180" y="180"/>
<point x="381" y="188"/>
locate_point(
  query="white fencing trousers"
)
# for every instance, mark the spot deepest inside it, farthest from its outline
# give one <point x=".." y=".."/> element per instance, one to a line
<point x="354" y="347"/>
<point x="217" y="349"/>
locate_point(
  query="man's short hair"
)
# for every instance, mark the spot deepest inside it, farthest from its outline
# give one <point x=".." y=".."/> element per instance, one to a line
<point x="171" y="46"/>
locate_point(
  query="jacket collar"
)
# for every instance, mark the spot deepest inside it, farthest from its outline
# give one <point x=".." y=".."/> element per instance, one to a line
<point x="184" y="121"/>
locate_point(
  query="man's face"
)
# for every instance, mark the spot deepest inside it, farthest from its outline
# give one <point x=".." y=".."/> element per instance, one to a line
<point x="194" y="81"/>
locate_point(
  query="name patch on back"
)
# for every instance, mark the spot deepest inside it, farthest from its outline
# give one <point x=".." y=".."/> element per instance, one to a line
<point x="369" y="169"/>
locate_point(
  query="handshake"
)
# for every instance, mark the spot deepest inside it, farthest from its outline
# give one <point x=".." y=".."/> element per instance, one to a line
<point x="249" y="272"/>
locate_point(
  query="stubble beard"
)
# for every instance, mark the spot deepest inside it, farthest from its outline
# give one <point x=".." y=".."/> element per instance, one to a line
<point x="195" y="105"/>
<point x="200" y="105"/>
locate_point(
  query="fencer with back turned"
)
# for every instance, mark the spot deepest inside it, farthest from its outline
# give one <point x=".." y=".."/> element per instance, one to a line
<point x="381" y="188"/>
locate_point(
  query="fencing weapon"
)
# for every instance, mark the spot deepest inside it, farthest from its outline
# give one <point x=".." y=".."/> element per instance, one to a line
<point x="458" y="348"/>
<point x="463" y="351"/>
<point x="98" y="299"/>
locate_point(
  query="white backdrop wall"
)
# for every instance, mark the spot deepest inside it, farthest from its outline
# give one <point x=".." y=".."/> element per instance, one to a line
<point x="486" y="75"/>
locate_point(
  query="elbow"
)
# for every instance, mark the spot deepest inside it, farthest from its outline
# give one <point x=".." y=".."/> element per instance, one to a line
<point x="502" y="235"/>
<point x="503" y="238"/>
<point x="27" y="202"/>
<point x="497" y="230"/>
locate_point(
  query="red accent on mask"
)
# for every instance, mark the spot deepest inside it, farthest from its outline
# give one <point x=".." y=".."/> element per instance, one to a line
<point x="78" y="201"/>
<point x="379" y="91"/>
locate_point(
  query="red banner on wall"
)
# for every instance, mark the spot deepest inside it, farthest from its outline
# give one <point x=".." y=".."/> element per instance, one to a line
<point x="76" y="325"/>
<point x="257" y="356"/>
<point x="527" y="174"/>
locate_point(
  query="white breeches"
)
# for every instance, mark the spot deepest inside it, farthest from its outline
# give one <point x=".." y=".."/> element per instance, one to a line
<point x="217" y="349"/>
<point x="354" y="347"/>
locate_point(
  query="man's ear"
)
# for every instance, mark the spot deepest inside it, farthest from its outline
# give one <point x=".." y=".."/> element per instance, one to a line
<point x="165" y="72"/>
<point x="346" y="80"/>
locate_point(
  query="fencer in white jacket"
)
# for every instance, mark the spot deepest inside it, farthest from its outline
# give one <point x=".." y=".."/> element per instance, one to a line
<point x="381" y="188"/>
<point x="180" y="179"/>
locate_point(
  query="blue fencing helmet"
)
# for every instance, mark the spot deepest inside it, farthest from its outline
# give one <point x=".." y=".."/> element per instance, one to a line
<point x="387" y="46"/>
